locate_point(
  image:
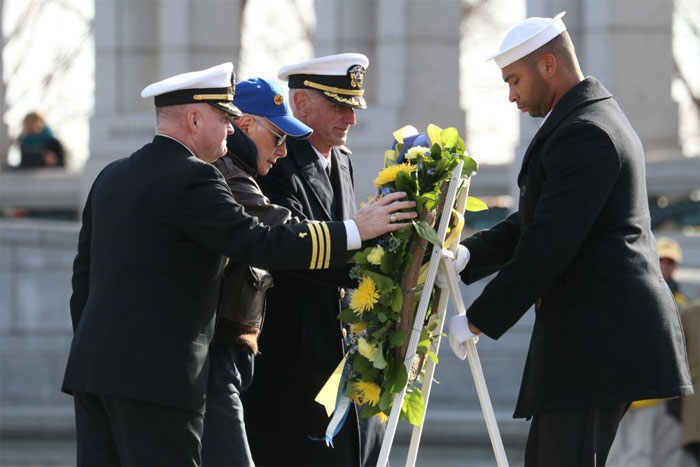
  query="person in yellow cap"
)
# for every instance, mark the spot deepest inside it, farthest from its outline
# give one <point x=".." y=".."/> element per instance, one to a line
<point x="156" y="229"/>
<point x="670" y="256"/>
<point x="580" y="249"/>
<point x="303" y="344"/>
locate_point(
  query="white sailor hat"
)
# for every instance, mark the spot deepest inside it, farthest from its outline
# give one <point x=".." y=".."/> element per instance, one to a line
<point x="215" y="86"/>
<point x="526" y="37"/>
<point x="339" y="78"/>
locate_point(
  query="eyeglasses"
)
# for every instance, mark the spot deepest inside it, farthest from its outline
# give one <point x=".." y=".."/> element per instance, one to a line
<point x="280" y="138"/>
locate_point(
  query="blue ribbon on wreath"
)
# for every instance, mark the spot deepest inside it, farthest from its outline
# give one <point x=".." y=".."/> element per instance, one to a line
<point x="340" y="413"/>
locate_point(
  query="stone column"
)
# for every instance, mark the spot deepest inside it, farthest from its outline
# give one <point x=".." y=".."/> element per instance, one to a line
<point x="4" y="137"/>
<point x="628" y="47"/>
<point x="413" y="76"/>
<point x="137" y="43"/>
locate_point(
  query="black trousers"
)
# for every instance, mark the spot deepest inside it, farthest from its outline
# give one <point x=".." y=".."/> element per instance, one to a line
<point x="224" y="440"/>
<point x="117" y="431"/>
<point x="580" y="437"/>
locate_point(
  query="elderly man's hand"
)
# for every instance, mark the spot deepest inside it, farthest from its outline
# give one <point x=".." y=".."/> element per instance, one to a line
<point x="460" y="262"/>
<point x="383" y="215"/>
<point x="461" y="330"/>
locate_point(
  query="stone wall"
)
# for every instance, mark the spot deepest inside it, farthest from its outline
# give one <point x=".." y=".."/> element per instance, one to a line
<point x="35" y="331"/>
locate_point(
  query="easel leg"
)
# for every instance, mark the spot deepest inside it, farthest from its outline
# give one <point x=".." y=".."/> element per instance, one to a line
<point x="477" y="372"/>
<point x="427" y="381"/>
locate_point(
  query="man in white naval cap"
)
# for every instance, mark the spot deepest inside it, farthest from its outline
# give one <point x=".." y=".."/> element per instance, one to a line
<point x="156" y="229"/>
<point x="580" y="249"/>
<point x="302" y="345"/>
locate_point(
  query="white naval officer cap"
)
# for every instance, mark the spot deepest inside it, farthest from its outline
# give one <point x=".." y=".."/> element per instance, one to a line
<point x="339" y="78"/>
<point x="526" y="37"/>
<point x="215" y="86"/>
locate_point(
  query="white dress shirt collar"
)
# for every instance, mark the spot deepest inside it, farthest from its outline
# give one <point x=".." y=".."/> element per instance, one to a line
<point x="325" y="161"/>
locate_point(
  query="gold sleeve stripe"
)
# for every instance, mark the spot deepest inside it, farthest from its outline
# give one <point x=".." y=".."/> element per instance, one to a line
<point x="321" y="245"/>
<point x="314" y="246"/>
<point x="327" y="263"/>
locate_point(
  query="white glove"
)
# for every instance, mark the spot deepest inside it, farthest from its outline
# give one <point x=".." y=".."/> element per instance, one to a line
<point x="460" y="335"/>
<point x="460" y="262"/>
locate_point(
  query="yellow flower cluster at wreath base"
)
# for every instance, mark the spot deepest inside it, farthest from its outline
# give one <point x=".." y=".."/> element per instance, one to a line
<point x="366" y="392"/>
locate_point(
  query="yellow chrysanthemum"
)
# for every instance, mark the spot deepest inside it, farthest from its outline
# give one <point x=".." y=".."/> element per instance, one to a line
<point x="366" y="349"/>
<point x="367" y="392"/>
<point x="382" y="417"/>
<point x="389" y="174"/>
<point x="357" y="328"/>
<point x="364" y="296"/>
<point x="375" y="256"/>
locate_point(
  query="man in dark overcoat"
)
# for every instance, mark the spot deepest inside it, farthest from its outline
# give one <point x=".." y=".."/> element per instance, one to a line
<point x="302" y="341"/>
<point x="156" y="228"/>
<point x="580" y="249"/>
<point x="258" y="141"/>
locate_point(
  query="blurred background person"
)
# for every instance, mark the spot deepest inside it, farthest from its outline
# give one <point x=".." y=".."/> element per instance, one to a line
<point x="38" y="146"/>
<point x="670" y="256"/>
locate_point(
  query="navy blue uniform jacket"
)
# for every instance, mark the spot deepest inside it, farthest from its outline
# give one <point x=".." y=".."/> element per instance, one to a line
<point x="156" y="228"/>
<point x="580" y="249"/>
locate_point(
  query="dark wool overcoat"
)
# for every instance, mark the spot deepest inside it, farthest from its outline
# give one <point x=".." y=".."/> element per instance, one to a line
<point x="580" y="249"/>
<point x="301" y="343"/>
<point x="156" y="227"/>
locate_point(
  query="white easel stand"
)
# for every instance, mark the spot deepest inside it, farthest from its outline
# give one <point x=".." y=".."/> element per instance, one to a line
<point x="444" y="259"/>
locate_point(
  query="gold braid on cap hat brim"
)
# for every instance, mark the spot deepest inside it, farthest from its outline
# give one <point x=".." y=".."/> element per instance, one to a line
<point x="213" y="97"/>
<point x="347" y="92"/>
<point x="341" y="98"/>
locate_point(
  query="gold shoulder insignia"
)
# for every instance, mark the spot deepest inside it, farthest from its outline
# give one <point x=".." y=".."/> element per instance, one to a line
<point x="345" y="150"/>
<point x="302" y="234"/>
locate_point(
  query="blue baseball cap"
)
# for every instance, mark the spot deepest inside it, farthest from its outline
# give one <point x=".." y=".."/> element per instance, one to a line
<point x="265" y="98"/>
